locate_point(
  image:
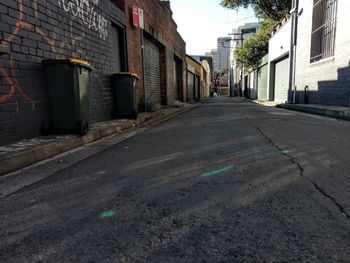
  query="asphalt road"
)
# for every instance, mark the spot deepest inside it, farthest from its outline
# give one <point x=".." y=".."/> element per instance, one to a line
<point x="228" y="181"/>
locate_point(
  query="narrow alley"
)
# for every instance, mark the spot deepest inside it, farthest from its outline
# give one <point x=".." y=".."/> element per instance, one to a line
<point x="227" y="181"/>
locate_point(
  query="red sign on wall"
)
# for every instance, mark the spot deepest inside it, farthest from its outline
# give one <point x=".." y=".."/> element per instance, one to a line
<point x="135" y="16"/>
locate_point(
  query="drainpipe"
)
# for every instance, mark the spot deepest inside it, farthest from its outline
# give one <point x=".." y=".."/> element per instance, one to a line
<point x="293" y="49"/>
<point x="143" y="68"/>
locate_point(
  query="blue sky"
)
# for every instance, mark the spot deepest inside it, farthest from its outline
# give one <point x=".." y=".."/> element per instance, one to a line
<point x="215" y="21"/>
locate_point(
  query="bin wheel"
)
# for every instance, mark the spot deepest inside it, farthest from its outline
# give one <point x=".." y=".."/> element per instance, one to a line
<point x="83" y="127"/>
<point x="47" y="127"/>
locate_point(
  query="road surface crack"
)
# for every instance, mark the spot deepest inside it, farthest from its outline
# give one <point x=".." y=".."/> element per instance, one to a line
<point x="301" y="172"/>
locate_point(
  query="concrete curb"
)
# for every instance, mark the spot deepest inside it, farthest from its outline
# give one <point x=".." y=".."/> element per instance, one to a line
<point x="266" y="103"/>
<point x="327" y="111"/>
<point x="40" y="153"/>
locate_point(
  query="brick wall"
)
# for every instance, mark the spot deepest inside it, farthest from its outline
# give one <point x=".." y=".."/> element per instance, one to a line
<point x="33" y="30"/>
<point x="160" y="25"/>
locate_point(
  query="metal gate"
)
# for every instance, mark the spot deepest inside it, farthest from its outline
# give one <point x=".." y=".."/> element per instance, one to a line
<point x="281" y="80"/>
<point x="152" y="72"/>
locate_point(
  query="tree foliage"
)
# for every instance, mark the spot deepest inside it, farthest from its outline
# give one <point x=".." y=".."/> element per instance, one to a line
<point x="270" y="13"/>
<point x="273" y="9"/>
<point x="254" y="48"/>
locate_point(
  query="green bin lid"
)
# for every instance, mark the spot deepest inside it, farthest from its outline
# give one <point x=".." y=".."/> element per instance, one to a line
<point x="71" y="61"/>
<point x="126" y="74"/>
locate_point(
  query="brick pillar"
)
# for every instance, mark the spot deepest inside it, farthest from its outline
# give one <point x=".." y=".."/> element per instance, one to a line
<point x="180" y="78"/>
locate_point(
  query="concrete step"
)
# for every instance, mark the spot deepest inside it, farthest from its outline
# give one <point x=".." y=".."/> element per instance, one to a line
<point x="323" y="110"/>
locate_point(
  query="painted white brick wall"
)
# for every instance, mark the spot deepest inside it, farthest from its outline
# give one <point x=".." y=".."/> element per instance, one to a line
<point x="328" y="79"/>
<point x="279" y="47"/>
<point x="279" y="44"/>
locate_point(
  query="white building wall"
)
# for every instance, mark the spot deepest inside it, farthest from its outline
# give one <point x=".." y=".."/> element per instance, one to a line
<point x="206" y="66"/>
<point x="279" y="47"/>
<point x="329" y="79"/>
<point x="252" y="85"/>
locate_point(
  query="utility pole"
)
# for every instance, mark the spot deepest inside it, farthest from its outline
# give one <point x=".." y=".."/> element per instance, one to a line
<point x="241" y="39"/>
<point x="293" y="51"/>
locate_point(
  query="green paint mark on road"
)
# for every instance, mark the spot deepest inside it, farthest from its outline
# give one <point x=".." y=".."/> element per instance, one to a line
<point x="107" y="214"/>
<point x="217" y="171"/>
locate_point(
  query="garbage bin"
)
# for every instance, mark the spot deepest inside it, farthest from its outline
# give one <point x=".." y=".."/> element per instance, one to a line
<point x="67" y="81"/>
<point x="124" y="95"/>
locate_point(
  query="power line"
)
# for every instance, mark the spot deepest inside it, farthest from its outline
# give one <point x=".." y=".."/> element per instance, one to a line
<point x="240" y="20"/>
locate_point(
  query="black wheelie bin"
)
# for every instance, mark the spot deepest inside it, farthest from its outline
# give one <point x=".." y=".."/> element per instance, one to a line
<point x="124" y="95"/>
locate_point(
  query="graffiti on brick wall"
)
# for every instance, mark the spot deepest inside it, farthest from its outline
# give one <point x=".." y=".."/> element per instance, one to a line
<point x="11" y="79"/>
<point x="85" y="11"/>
<point x="9" y="74"/>
<point x="7" y="63"/>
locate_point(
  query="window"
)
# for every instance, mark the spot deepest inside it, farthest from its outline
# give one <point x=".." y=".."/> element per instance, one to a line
<point x="323" y="29"/>
<point x="119" y="3"/>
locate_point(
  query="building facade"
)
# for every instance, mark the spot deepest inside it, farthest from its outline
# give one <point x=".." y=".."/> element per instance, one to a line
<point x="224" y="48"/>
<point x="237" y="82"/>
<point x="216" y="62"/>
<point x="278" y="64"/>
<point x="157" y="53"/>
<point x="32" y="31"/>
<point x="196" y="79"/>
<point x="323" y="52"/>
<point x="321" y="74"/>
<point x="100" y="32"/>
<point x="207" y="64"/>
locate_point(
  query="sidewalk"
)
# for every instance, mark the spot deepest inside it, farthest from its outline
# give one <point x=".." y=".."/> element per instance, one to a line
<point x="27" y="152"/>
<point x="337" y="112"/>
<point x="267" y="103"/>
<point x="323" y="110"/>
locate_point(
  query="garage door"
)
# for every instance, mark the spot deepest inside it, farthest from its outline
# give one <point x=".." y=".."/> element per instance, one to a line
<point x="152" y="72"/>
<point x="281" y="80"/>
<point x="262" y="83"/>
<point x="197" y="85"/>
<point x="190" y="86"/>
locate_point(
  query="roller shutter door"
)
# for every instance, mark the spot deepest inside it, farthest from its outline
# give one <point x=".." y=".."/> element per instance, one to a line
<point x="152" y="72"/>
<point x="197" y="88"/>
<point x="262" y="83"/>
<point x="190" y="86"/>
<point x="281" y="80"/>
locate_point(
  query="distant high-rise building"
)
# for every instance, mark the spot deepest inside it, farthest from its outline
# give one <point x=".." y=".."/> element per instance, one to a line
<point x="223" y="60"/>
<point x="215" y="55"/>
<point x="239" y="35"/>
<point x="224" y="53"/>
